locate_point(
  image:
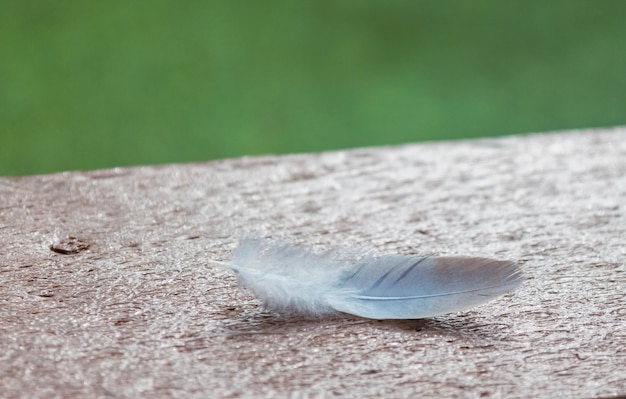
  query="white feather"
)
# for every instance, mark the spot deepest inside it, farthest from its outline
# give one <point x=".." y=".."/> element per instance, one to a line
<point x="291" y="279"/>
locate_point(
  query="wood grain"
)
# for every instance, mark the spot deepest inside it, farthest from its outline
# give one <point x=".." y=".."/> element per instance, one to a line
<point x="104" y="289"/>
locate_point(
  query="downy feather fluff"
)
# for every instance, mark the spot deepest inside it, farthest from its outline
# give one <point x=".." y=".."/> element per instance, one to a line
<point x="291" y="279"/>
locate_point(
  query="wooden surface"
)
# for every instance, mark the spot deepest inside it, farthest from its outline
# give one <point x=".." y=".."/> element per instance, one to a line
<point x="104" y="290"/>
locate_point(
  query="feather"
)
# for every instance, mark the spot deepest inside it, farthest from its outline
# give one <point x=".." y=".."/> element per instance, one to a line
<point x="291" y="279"/>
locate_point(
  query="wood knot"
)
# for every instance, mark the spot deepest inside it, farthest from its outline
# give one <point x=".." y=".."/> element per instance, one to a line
<point x="70" y="245"/>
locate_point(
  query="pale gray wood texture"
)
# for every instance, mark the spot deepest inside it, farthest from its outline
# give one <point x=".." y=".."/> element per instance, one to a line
<point x="104" y="292"/>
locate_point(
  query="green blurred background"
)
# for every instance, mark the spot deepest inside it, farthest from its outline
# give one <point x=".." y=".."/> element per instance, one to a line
<point x="86" y="84"/>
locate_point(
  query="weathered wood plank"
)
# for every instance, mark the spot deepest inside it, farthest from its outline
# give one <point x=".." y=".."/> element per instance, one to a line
<point x="103" y="290"/>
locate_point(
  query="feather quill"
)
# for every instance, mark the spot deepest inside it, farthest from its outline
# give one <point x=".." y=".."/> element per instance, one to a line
<point x="291" y="279"/>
